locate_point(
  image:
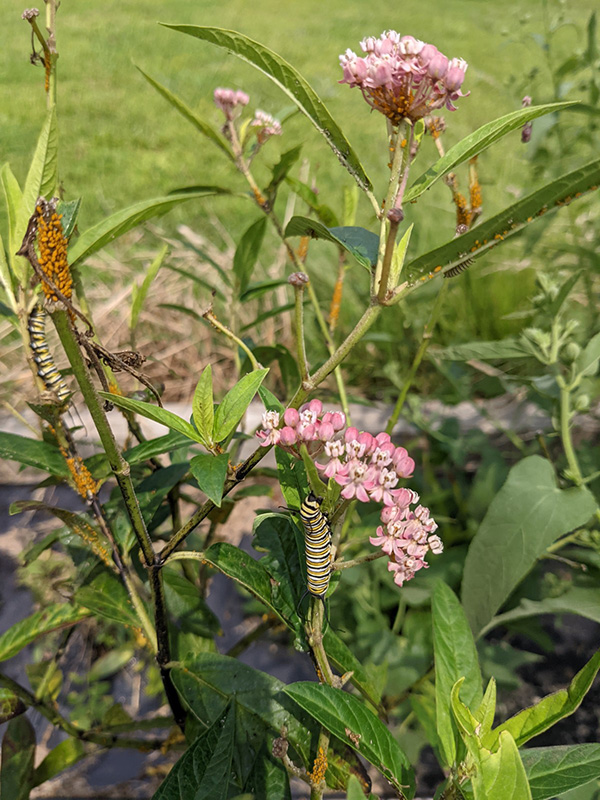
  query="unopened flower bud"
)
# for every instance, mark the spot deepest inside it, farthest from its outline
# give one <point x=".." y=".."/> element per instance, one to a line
<point x="287" y="436"/>
<point x="526" y="101"/>
<point x="570" y="352"/>
<point x="298" y="279"/>
<point x="291" y="417"/>
<point x="30" y="13"/>
<point x="395" y="215"/>
<point x="526" y="132"/>
<point x="582" y="402"/>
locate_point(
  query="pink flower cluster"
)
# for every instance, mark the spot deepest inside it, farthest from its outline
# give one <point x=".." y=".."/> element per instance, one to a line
<point x="368" y="468"/>
<point x="230" y="102"/>
<point x="403" y="77"/>
<point x="266" y="126"/>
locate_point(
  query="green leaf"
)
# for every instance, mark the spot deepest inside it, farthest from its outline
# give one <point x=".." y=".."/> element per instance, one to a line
<point x="354" y="790"/>
<point x="587" y="362"/>
<point x="155" y="447"/>
<point x="204" y="771"/>
<point x="61" y="757"/>
<point x="34" y="453"/>
<point x="13" y="199"/>
<point x="455" y="657"/>
<point x="211" y="473"/>
<point x="344" y="660"/>
<point x="272" y="312"/>
<point x="399" y="256"/>
<point x="6" y="279"/>
<point x="18" y="758"/>
<point x="359" y="242"/>
<point x="501" y="775"/>
<point x="161" y="415"/>
<point x="554" y="770"/>
<point x="10" y="705"/>
<point x="281" y="541"/>
<point x="96" y="541"/>
<point x="281" y="169"/>
<point x="527" y="515"/>
<point x="106" y="597"/>
<point x="110" y="663"/>
<point x="203" y="407"/>
<point x="110" y="228"/>
<point x="139" y="294"/>
<point x="346" y="717"/>
<point x="188" y="607"/>
<point x="499" y="228"/>
<point x="51" y="618"/>
<point x="550" y="709"/>
<point x="259" y="288"/>
<point x="292" y="478"/>
<point x="69" y="211"/>
<point x="234" y="404"/>
<point x="477" y="142"/>
<point x="482" y="351"/>
<point x="565" y="290"/>
<point x="270" y="402"/>
<point x="247" y="252"/>
<point x="311" y="198"/>
<point x="190" y="115"/>
<point x="289" y="81"/>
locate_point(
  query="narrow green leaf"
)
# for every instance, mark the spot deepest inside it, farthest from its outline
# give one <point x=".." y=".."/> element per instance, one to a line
<point x="61" y="757"/>
<point x="324" y="213"/>
<point x="161" y="415"/>
<point x="281" y="169"/>
<point x="6" y="279"/>
<point x="50" y="618"/>
<point x="33" y="452"/>
<point x="77" y="523"/>
<point x="200" y="124"/>
<point x="506" y="223"/>
<point x="234" y="404"/>
<point x="13" y="199"/>
<point x="565" y="290"/>
<point x="259" y="288"/>
<point x="270" y="402"/>
<point x="289" y="81"/>
<point x="42" y="178"/>
<point x="247" y="251"/>
<point x="18" y="758"/>
<point x="140" y="293"/>
<point x="362" y="244"/>
<point x="211" y="473"/>
<point x="203" y="407"/>
<point x="197" y="279"/>
<point x="10" y="705"/>
<point x="106" y="597"/>
<point x="482" y="351"/>
<point x="587" y="362"/>
<point x="69" y="211"/>
<point x="347" y="718"/>
<point x="455" y="658"/>
<point x="550" y="709"/>
<point x="155" y="447"/>
<point x="272" y="312"/>
<point x="486" y="710"/>
<point x="527" y="515"/>
<point x="554" y="770"/>
<point x="399" y="256"/>
<point x="477" y="142"/>
<point x="183" y="310"/>
<point x="354" y="790"/>
<point x="110" y="228"/>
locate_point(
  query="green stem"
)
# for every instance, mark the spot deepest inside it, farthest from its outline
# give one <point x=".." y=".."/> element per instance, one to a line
<point x="565" y="431"/>
<point x="300" y="341"/>
<point x="209" y="315"/>
<point x="425" y="340"/>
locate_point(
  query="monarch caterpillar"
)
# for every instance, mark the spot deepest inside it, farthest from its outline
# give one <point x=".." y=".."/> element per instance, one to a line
<point x="318" y="546"/>
<point x="46" y="368"/>
<point x="454" y="271"/>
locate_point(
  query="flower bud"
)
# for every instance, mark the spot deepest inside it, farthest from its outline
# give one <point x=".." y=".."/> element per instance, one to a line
<point x="298" y="279"/>
<point x="582" y="402"/>
<point x="570" y="352"/>
<point x="291" y="417"/>
<point x="287" y="436"/>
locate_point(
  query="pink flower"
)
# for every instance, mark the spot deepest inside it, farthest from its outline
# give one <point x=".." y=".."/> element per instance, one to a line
<point x="381" y="486"/>
<point x="336" y="418"/>
<point x="230" y="101"/>
<point x="291" y="417"/>
<point x="266" y="126"/>
<point x="353" y="477"/>
<point x="403" y="464"/>
<point x="287" y="436"/>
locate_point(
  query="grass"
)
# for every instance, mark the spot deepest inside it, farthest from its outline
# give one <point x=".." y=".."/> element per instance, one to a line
<point x="120" y="142"/>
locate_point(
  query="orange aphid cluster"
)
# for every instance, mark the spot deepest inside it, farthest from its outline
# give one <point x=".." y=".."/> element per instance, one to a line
<point x="86" y="486"/>
<point x="52" y="247"/>
<point x="319" y="767"/>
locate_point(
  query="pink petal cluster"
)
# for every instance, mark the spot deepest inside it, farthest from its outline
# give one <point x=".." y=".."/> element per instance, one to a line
<point x="230" y="102"/>
<point x="368" y="468"/>
<point x="266" y="126"/>
<point x="403" y="77"/>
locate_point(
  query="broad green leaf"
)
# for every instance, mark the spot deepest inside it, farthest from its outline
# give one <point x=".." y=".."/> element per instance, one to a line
<point x="477" y="142"/>
<point x="279" y="539"/>
<point x="18" y="758"/>
<point x="96" y="541"/>
<point x="69" y="211"/>
<point x="203" y="407"/>
<point x="527" y="515"/>
<point x="455" y="657"/>
<point x="140" y="293"/>
<point x="155" y="447"/>
<point x="209" y="681"/>
<point x="110" y="228"/>
<point x="190" y="115"/>
<point x="289" y="81"/>
<point x="106" y="597"/>
<point x="359" y="242"/>
<point x="292" y="479"/>
<point x="234" y="404"/>
<point x="501" y="775"/>
<point x="247" y="251"/>
<point x="161" y="415"/>
<point x="581" y="600"/>
<point x="61" y="757"/>
<point x="6" y="279"/>
<point x="344" y="660"/>
<point x="34" y="453"/>
<point x="587" y="362"/>
<point x="503" y="225"/>
<point x="354" y="790"/>
<point x="211" y="473"/>
<point x="267" y="777"/>
<point x="482" y="351"/>
<point x="347" y="718"/>
<point x="550" y="709"/>
<point x="13" y="200"/>
<point x="110" y="663"/>
<point x="270" y="402"/>
<point x="259" y="288"/>
<point x="10" y="705"/>
<point x="554" y="770"/>
<point x="51" y="618"/>
<point x="187" y="605"/>
<point x="204" y="771"/>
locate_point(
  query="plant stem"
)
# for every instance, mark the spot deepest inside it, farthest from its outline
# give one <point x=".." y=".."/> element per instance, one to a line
<point x="565" y="431"/>
<point x="209" y="315"/>
<point x="300" y="341"/>
<point x="356" y="561"/>
<point x="425" y="340"/>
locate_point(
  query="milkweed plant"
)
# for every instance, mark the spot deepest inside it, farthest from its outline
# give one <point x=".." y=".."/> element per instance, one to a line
<point x="140" y="562"/>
